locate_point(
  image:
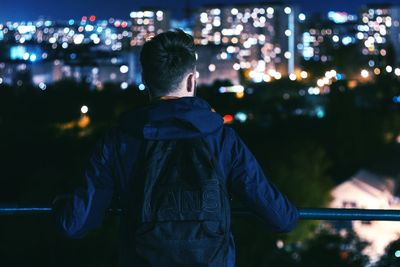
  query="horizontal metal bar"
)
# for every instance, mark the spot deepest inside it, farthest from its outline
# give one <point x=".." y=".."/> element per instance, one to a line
<point x="305" y="213"/>
<point x="350" y="214"/>
<point x="24" y="210"/>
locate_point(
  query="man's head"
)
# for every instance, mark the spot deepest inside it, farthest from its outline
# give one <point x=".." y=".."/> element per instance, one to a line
<point x="169" y="64"/>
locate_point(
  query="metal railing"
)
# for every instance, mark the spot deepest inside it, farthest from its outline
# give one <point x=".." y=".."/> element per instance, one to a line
<point x="305" y="213"/>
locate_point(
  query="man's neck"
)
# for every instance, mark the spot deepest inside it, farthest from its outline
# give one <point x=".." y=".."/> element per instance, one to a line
<point x="168" y="97"/>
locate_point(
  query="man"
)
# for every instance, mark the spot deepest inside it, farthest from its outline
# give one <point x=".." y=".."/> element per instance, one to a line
<point x="183" y="129"/>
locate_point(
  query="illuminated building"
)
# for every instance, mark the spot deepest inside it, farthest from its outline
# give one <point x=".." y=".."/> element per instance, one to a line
<point x="109" y="34"/>
<point x="148" y="23"/>
<point x="366" y="190"/>
<point x="258" y="39"/>
<point x="94" y="73"/>
<point x="212" y="68"/>
<point x="48" y="51"/>
<point x="379" y="31"/>
<point x="323" y="34"/>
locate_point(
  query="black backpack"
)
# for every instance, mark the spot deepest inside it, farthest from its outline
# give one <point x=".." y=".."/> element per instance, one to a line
<point x="185" y="217"/>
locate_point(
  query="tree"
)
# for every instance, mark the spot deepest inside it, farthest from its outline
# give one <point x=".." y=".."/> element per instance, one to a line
<point x="331" y="249"/>
<point x="257" y="247"/>
<point x="303" y="176"/>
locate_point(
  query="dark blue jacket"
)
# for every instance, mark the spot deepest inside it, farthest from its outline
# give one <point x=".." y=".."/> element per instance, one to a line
<point x="112" y="168"/>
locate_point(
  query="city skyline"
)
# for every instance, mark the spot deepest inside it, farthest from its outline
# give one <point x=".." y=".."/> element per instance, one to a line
<point x="239" y="43"/>
<point x="22" y="10"/>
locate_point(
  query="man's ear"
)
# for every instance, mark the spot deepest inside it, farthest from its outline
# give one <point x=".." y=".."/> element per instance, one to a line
<point x="191" y="82"/>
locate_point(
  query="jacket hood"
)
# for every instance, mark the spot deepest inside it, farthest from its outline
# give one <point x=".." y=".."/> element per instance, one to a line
<point x="181" y="118"/>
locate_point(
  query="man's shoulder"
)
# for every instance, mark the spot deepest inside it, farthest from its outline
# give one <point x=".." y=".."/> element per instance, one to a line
<point x="227" y="138"/>
<point x="229" y="133"/>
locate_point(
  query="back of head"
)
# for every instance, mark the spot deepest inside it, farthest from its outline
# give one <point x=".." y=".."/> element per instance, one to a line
<point x="165" y="60"/>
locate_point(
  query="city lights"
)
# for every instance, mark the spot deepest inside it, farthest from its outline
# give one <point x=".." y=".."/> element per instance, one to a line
<point x="364" y="74"/>
<point x="320" y="82"/>
<point x="304" y="74"/>
<point x="232" y="89"/>
<point x="124" y="69"/>
<point x="42" y="86"/>
<point x="211" y="67"/>
<point x="241" y="117"/>
<point x="314" y="91"/>
<point x="32" y="57"/>
<point x="292" y="77"/>
<point x="228" y="118"/>
<point x="266" y="78"/>
<point x="142" y="87"/>
<point x="84" y="109"/>
<point x="243" y="36"/>
<point x="124" y="85"/>
<point x="224" y="55"/>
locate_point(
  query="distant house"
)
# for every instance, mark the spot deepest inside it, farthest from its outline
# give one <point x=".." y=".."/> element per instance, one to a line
<point x="366" y="190"/>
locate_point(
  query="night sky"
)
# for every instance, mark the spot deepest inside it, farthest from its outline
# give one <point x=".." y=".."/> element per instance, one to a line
<point x="64" y="9"/>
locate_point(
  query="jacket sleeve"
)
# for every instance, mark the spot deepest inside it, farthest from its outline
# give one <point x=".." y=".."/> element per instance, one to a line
<point x="84" y="210"/>
<point x="249" y="183"/>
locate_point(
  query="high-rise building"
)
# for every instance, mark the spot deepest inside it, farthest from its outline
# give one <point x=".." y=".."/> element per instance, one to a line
<point x="322" y="34"/>
<point x="379" y="31"/>
<point x="107" y="35"/>
<point x="260" y="40"/>
<point x="148" y="23"/>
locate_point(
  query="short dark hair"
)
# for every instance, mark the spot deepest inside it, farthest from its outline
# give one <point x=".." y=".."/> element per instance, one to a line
<point x="166" y="59"/>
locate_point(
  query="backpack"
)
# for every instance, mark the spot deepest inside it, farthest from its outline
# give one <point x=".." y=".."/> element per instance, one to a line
<point x="185" y="216"/>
